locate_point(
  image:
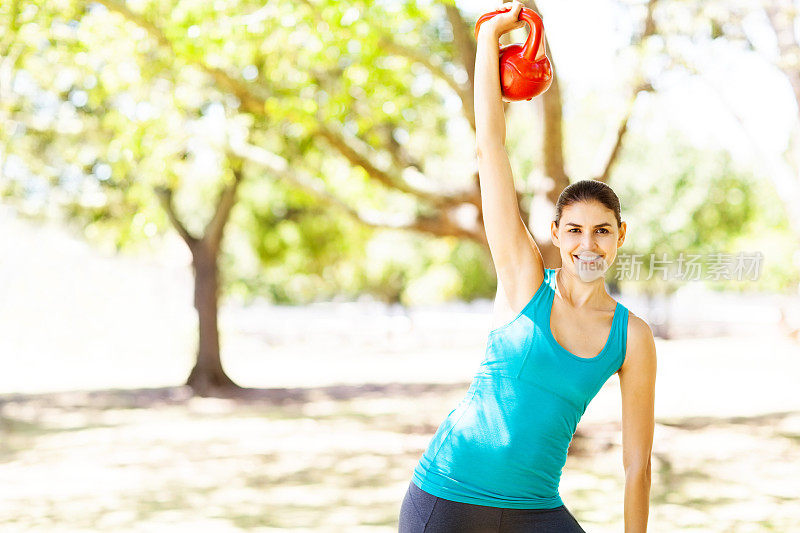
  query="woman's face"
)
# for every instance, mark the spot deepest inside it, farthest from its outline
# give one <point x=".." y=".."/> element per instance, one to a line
<point x="587" y="229"/>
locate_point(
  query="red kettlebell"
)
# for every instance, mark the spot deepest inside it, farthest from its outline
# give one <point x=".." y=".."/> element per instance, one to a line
<point x="522" y="76"/>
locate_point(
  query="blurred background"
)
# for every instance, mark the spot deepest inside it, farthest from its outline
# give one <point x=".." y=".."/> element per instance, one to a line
<point x="243" y="273"/>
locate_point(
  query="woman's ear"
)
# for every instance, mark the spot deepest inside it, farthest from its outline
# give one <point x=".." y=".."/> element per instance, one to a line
<point x="554" y="234"/>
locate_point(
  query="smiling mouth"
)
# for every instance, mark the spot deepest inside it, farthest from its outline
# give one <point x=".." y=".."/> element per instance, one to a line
<point x="576" y="258"/>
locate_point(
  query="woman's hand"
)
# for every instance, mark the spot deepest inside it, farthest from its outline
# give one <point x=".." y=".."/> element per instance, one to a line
<point x="502" y="22"/>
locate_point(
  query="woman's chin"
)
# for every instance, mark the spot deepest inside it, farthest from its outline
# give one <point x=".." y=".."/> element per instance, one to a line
<point x="589" y="271"/>
<point x="589" y="276"/>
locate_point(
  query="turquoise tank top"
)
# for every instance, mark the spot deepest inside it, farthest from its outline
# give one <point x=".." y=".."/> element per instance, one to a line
<point x="505" y="443"/>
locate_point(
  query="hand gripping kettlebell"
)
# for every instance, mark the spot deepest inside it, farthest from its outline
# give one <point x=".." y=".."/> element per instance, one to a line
<point x="522" y="76"/>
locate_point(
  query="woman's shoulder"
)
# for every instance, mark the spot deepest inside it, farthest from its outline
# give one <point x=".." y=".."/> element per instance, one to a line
<point x="638" y="327"/>
<point x="640" y="342"/>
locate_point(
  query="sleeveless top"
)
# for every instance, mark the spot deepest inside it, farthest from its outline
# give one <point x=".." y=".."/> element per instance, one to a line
<point x="505" y="443"/>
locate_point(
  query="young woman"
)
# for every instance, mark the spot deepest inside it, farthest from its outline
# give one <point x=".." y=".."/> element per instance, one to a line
<point x="495" y="462"/>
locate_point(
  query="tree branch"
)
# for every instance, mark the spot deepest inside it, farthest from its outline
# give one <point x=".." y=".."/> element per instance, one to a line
<point x="465" y="49"/>
<point x="650" y="27"/>
<point x="440" y="224"/>
<point x="165" y="196"/>
<point x="621" y="131"/>
<point x="786" y="183"/>
<point x="427" y="61"/>
<point x="254" y="103"/>
<point x="788" y="62"/>
<point x="400" y="155"/>
<point x="348" y="147"/>
<point x="245" y="92"/>
<point x="553" y="143"/>
<point x="227" y="199"/>
<point x="389" y="44"/>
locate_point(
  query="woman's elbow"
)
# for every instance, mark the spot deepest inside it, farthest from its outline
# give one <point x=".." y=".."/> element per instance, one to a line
<point x="638" y="468"/>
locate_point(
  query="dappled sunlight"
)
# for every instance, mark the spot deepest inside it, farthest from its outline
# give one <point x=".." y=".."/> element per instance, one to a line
<point x="212" y="458"/>
<point x="121" y="460"/>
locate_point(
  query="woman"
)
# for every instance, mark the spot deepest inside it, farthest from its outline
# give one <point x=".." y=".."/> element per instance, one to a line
<point x="495" y="462"/>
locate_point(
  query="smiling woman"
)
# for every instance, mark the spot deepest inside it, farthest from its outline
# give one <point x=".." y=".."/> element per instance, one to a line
<point x="495" y="462"/>
<point x="590" y="264"/>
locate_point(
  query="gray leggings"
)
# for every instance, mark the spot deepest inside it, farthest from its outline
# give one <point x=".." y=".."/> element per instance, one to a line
<point x="421" y="512"/>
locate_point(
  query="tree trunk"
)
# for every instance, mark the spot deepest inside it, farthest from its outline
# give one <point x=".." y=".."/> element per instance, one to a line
<point x="207" y="378"/>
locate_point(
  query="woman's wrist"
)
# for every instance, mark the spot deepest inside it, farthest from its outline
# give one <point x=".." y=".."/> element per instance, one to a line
<point x="488" y="35"/>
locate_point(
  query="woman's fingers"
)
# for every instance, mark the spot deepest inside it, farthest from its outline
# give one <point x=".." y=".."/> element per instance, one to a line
<point x="513" y="12"/>
<point x="510" y="20"/>
<point x="510" y="5"/>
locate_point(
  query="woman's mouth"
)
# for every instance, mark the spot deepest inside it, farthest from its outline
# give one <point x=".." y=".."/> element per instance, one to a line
<point x="589" y="265"/>
<point x="586" y="257"/>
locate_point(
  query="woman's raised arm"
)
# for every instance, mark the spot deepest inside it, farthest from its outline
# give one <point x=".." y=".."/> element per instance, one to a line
<point x="517" y="259"/>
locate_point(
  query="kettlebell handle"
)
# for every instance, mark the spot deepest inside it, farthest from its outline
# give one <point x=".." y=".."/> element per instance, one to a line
<point x="535" y="23"/>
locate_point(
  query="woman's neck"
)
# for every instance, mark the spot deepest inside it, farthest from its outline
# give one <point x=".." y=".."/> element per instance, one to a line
<point x="578" y="293"/>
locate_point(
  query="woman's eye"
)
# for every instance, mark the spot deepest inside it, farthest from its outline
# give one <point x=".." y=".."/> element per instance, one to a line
<point x="604" y="230"/>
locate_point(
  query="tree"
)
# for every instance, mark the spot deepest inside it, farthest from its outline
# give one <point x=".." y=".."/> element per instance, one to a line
<point x="293" y="83"/>
<point x="766" y="27"/>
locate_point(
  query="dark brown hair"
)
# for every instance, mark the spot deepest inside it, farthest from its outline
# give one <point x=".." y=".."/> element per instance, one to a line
<point x="588" y="190"/>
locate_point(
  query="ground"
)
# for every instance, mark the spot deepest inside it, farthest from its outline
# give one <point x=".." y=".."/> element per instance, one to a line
<point x="338" y="457"/>
<point x="96" y="433"/>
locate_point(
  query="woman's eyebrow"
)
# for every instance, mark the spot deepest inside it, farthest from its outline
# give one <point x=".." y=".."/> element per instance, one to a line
<point x="596" y="225"/>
